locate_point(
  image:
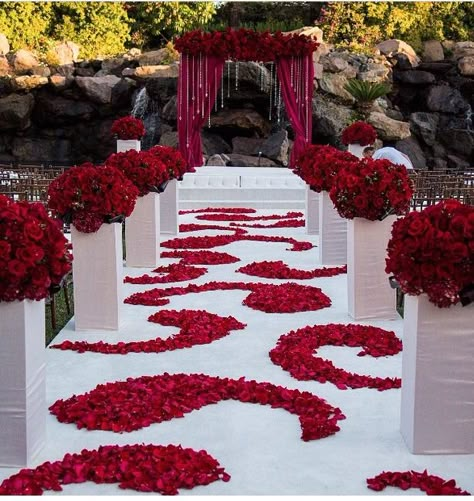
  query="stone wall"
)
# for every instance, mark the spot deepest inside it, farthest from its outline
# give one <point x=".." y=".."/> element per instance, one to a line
<point x="62" y="114"/>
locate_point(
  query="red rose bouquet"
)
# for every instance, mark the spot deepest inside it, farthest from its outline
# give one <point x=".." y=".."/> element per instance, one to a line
<point x="172" y="159"/>
<point x="372" y="189"/>
<point x="359" y="133"/>
<point x="318" y="165"/>
<point x="142" y="168"/>
<point x="34" y="254"/>
<point x="88" y="196"/>
<point x="128" y="128"/>
<point x="432" y="252"/>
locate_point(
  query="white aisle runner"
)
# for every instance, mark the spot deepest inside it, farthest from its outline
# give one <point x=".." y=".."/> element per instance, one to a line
<point x="258" y="446"/>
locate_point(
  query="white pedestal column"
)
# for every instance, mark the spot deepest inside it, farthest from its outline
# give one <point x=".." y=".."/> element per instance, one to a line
<point x="332" y="233"/>
<point x="356" y="150"/>
<point x="142" y="232"/>
<point x="169" y="209"/>
<point x="437" y="410"/>
<point x="128" y="144"/>
<point x="369" y="291"/>
<point x="98" y="276"/>
<point x="311" y="211"/>
<point x="22" y="382"/>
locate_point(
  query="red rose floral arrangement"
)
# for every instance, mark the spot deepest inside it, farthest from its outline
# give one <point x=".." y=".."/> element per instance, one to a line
<point x="129" y="127"/>
<point x="88" y="196"/>
<point x="172" y="159"/>
<point x="34" y="254"/>
<point x="371" y="189"/>
<point x="360" y="133"/>
<point x="142" y="168"/>
<point x="432" y="252"/>
<point x="318" y="164"/>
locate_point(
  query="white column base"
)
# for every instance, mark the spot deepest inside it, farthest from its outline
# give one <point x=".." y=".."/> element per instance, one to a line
<point x="22" y="382"/>
<point x="142" y="232"/>
<point x="332" y="233"/>
<point x="437" y="410"/>
<point x="169" y="209"/>
<point x="128" y="144"/>
<point x="97" y="272"/>
<point x="368" y="288"/>
<point x="356" y="150"/>
<point x="311" y="211"/>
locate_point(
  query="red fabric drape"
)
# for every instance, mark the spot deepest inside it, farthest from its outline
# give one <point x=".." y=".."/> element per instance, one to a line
<point x="296" y="75"/>
<point x="199" y="80"/>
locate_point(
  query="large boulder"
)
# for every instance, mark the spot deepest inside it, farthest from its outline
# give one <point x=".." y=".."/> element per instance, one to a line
<point x="400" y="51"/>
<point x="5" y="68"/>
<point x="445" y="99"/>
<point x="216" y="160"/>
<point x="114" y="66"/>
<point x="412" y="149"/>
<point x="247" y="145"/>
<point x="463" y="49"/>
<point x="415" y="77"/>
<point x="425" y="125"/>
<point x="15" y="111"/>
<point x="154" y="58"/>
<point x="98" y="89"/>
<point x="374" y="72"/>
<point x="23" y="61"/>
<point x="237" y="160"/>
<point x="169" y="112"/>
<point x="155" y="71"/>
<point x="28" y="82"/>
<point x="242" y="119"/>
<point x="60" y="83"/>
<point x="169" y="139"/>
<point x="213" y="144"/>
<point x="333" y="83"/>
<point x="276" y="147"/>
<point x="64" y="70"/>
<point x="53" y="111"/>
<point x="310" y="31"/>
<point x="459" y="140"/>
<point x="4" y="45"/>
<point x="432" y="51"/>
<point x="66" y="52"/>
<point x="329" y="118"/>
<point x="27" y="149"/>
<point x="466" y="65"/>
<point x="250" y="73"/>
<point x="387" y="128"/>
<point x="333" y="62"/>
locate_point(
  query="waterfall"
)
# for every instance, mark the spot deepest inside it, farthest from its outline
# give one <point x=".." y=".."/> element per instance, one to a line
<point x="468" y="117"/>
<point x="146" y="109"/>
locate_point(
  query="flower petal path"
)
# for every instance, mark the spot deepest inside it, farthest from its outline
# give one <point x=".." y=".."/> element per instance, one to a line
<point x="139" y="402"/>
<point x="279" y="269"/>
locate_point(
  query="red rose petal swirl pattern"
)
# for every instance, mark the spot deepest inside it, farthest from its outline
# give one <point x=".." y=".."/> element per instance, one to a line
<point x="283" y="298"/>
<point x="197" y="327"/>
<point x="185" y="228"/>
<point x="279" y="269"/>
<point x="243" y="217"/>
<point x="136" y="403"/>
<point x="431" y="484"/>
<point x="294" y="353"/>
<point x="284" y="223"/>
<point x="144" y="468"/>
<point x="176" y="272"/>
<point x="201" y="257"/>
<point x="230" y="210"/>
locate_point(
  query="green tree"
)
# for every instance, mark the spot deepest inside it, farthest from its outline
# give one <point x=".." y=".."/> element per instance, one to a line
<point x="100" y="28"/>
<point x="153" y="23"/>
<point x="25" y="24"/>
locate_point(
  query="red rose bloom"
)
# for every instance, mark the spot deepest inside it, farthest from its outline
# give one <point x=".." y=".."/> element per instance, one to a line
<point x="128" y="128"/>
<point x="359" y="133"/>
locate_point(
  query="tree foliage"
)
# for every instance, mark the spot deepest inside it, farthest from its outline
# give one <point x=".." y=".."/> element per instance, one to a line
<point x="359" y="25"/>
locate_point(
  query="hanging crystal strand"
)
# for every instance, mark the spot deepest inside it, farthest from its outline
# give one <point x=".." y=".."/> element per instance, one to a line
<point x="309" y="99"/>
<point x="275" y="78"/>
<point x="181" y="83"/>
<point x="279" y="102"/>
<point x="228" y="78"/>
<point x="298" y="80"/>
<point x="262" y="68"/>
<point x="271" y="90"/>
<point x="187" y="101"/>
<point x="217" y="95"/>
<point x="237" y="75"/>
<point x="222" y="90"/>
<point x="292" y="64"/>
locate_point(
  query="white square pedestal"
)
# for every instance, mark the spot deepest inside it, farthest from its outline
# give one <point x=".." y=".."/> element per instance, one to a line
<point x="311" y="212"/>
<point x="169" y="209"/>
<point x="356" y="150"/>
<point x="128" y="144"/>
<point x="368" y="288"/>
<point x="22" y="382"/>
<point x="142" y="232"/>
<point x="437" y="410"/>
<point x="97" y="270"/>
<point x="332" y="233"/>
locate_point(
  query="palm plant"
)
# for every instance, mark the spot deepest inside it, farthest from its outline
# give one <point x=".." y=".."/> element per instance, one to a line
<point x="365" y="93"/>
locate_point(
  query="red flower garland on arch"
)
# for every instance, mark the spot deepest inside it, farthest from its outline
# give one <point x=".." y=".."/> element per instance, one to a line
<point x="136" y="403"/>
<point x="283" y="298"/>
<point x="279" y="269"/>
<point x="201" y="257"/>
<point x="145" y="468"/>
<point x="175" y="272"/>
<point x="359" y="133"/>
<point x="206" y="242"/>
<point x="431" y="484"/>
<point x="197" y="327"/>
<point x="294" y="353"/>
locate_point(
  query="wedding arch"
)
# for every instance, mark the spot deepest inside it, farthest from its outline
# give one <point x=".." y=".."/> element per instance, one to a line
<point x="202" y="59"/>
